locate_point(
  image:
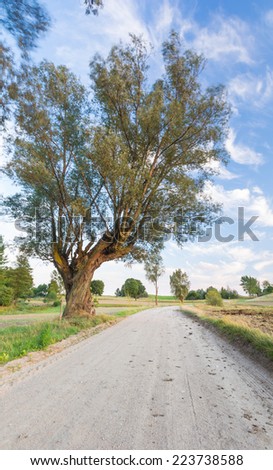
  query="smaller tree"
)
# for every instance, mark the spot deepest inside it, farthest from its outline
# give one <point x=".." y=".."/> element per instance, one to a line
<point x="267" y="288"/>
<point x="213" y="297"/>
<point x="55" y="289"/>
<point x="133" y="288"/>
<point x="97" y="287"/>
<point x="118" y="293"/>
<point x="250" y="285"/>
<point x="20" y="279"/>
<point x="180" y="284"/>
<point x="154" y="269"/>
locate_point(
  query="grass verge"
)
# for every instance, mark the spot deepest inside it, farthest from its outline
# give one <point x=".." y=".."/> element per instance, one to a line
<point x="239" y="333"/>
<point x="17" y="341"/>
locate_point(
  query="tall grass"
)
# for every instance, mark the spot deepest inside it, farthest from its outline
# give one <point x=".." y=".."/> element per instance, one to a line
<point x="17" y="341"/>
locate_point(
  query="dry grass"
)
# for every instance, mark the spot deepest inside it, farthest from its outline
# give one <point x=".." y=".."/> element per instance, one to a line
<point x="243" y="324"/>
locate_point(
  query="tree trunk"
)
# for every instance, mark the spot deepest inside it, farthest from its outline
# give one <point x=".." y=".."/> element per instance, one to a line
<point x="156" y="294"/>
<point x="79" y="302"/>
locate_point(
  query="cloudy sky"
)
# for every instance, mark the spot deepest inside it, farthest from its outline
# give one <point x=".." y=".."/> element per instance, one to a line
<point x="236" y="37"/>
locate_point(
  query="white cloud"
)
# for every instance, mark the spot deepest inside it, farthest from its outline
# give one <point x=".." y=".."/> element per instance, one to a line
<point x="240" y="153"/>
<point x="253" y="200"/>
<point x="269" y="17"/>
<point x="165" y="17"/>
<point x="220" y="170"/>
<point x="252" y="89"/>
<point x="263" y="264"/>
<point x="225" y="38"/>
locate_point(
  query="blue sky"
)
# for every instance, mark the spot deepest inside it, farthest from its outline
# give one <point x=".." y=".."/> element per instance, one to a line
<point x="236" y="37"/>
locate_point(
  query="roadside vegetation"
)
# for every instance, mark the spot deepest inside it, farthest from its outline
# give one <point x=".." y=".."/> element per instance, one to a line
<point x="18" y="340"/>
<point x="244" y="325"/>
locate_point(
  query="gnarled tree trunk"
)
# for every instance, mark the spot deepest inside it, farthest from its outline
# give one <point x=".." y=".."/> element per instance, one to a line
<point x="79" y="302"/>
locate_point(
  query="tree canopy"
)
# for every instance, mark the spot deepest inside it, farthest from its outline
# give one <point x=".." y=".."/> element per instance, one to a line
<point x="97" y="287"/>
<point x="104" y="183"/>
<point x="251" y="285"/>
<point x="132" y="288"/>
<point x="154" y="268"/>
<point x="180" y="284"/>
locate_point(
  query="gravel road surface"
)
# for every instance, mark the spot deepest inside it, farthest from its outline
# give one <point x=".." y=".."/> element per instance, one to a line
<point x="157" y="380"/>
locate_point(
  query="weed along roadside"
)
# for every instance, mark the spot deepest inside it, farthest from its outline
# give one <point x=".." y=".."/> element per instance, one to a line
<point x="250" y="335"/>
<point x="18" y="341"/>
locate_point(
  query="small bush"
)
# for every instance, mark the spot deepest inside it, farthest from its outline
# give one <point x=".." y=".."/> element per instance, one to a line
<point x="214" y="298"/>
<point x="56" y="303"/>
<point x="6" y="296"/>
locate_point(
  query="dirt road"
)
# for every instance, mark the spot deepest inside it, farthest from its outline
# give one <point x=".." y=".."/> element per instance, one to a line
<point x="157" y="380"/>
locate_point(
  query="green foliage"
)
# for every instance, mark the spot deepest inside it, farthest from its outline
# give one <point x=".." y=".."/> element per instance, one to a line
<point x="198" y="294"/>
<point x="97" y="287"/>
<point x="144" y="158"/>
<point x="44" y="337"/>
<point x="40" y="291"/>
<point x="154" y="268"/>
<point x="213" y="297"/>
<point x="227" y="293"/>
<point x="6" y="295"/>
<point x="17" y="341"/>
<point x="23" y="276"/>
<point x="179" y="283"/>
<point x="250" y="285"/>
<point x="3" y="263"/>
<point x="55" y="288"/>
<point x="51" y="296"/>
<point x="118" y="293"/>
<point x="20" y="278"/>
<point x="133" y="288"/>
<point x="267" y="288"/>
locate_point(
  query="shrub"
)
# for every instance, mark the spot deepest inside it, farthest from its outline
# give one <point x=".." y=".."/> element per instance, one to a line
<point x="214" y="298"/>
<point x="6" y="296"/>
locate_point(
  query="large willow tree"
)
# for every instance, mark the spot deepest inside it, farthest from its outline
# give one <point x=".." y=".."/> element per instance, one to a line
<point x="103" y="181"/>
